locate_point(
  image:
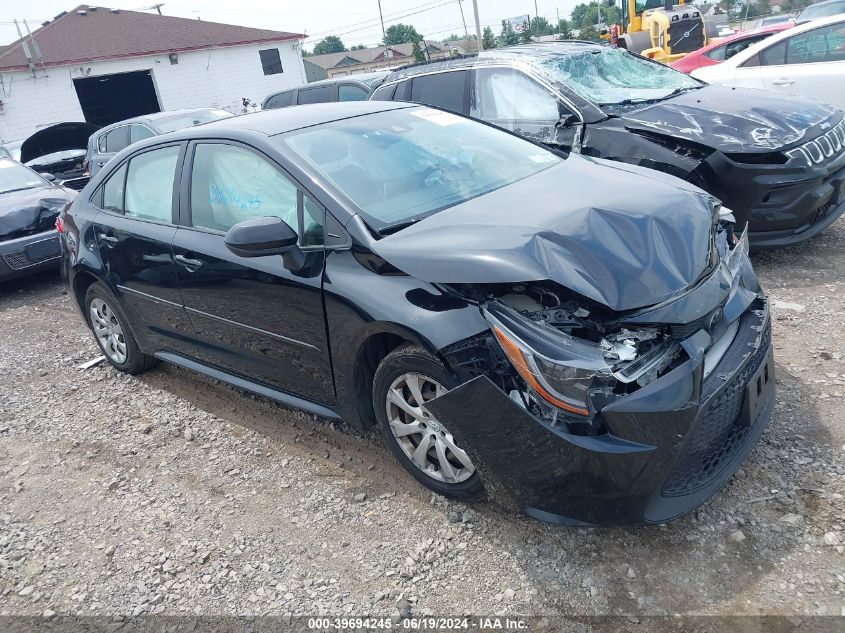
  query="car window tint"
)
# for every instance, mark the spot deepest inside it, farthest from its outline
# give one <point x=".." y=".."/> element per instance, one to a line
<point x="322" y="94"/>
<point x="819" y="45"/>
<point x="445" y="90"/>
<point x="280" y="101"/>
<point x="149" y="184"/>
<point x="231" y="184"/>
<point x="101" y="143"/>
<point x="348" y="92"/>
<point x="774" y="55"/>
<point x="117" y="139"/>
<point x="139" y="132"/>
<point x="507" y="97"/>
<point x="113" y="190"/>
<point x="384" y="93"/>
<point x="717" y="54"/>
<point x="403" y="91"/>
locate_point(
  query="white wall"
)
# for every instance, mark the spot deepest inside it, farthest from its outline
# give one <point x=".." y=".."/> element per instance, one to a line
<point x="212" y="78"/>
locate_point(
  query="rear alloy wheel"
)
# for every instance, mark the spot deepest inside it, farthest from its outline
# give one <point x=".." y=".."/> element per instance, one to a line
<point x="407" y="379"/>
<point x="112" y="331"/>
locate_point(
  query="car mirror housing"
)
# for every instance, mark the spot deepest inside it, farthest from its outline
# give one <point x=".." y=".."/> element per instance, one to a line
<point x="47" y="176"/>
<point x="262" y="236"/>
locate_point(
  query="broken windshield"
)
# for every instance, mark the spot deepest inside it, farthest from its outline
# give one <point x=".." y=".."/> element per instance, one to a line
<point x="613" y="76"/>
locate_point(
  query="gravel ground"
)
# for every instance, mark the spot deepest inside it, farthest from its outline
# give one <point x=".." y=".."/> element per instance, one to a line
<point x="171" y="493"/>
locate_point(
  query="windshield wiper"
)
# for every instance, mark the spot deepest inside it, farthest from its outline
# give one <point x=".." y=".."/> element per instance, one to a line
<point x="675" y="92"/>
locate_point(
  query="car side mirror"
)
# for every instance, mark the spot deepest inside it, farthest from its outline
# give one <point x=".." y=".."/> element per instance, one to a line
<point x="262" y="236"/>
<point x="566" y="119"/>
<point x="47" y="177"/>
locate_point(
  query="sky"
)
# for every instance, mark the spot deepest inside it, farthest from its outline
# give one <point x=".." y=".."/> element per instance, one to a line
<point x="355" y="21"/>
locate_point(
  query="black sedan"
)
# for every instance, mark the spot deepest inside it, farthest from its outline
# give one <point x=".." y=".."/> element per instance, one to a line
<point x="604" y="356"/>
<point x="29" y="206"/>
<point x="777" y="161"/>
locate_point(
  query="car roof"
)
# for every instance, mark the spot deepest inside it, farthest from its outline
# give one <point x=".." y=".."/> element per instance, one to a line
<point x="822" y="4"/>
<point x="149" y="118"/>
<point x="741" y="35"/>
<point x="281" y="120"/>
<point x="362" y="78"/>
<point x="510" y="53"/>
<point x="755" y="48"/>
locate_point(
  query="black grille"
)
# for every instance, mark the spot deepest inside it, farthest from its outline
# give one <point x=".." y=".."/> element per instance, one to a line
<point x="17" y="260"/>
<point x="717" y="436"/>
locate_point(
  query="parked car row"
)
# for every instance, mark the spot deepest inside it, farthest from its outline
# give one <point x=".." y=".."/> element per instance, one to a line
<point x="393" y="264"/>
<point x="530" y="239"/>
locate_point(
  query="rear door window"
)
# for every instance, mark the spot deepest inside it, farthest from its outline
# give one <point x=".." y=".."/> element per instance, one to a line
<point x="139" y="132"/>
<point x="149" y="184"/>
<point x="323" y="94"/>
<point x="446" y="90"/>
<point x="772" y="56"/>
<point x="113" y="191"/>
<point x="281" y="100"/>
<point x="350" y="92"/>
<point x="117" y="139"/>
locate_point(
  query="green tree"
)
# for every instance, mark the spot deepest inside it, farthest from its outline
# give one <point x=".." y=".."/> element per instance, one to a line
<point x="488" y="40"/>
<point x="509" y="37"/>
<point x="357" y="47"/>
<point x="330" y="44"/>
<point x="400" y="34"/>
<point x="417" y="50"/>
<point x="525" y="36"/>
<point x="452" y="38"/>
<point x="541" y="26"/>
<point x="564" y="30"/>
<point x="589" y="32"/>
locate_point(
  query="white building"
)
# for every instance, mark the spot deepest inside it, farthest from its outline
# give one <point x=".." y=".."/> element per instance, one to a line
<point x="104" y="65"/>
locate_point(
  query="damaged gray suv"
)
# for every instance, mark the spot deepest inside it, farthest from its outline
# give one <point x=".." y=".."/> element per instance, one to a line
<point x="602" y="357"/>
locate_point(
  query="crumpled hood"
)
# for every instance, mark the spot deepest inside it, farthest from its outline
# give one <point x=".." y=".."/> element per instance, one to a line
<point x="57" y="138"/>
<point x="30" y="209"/>
<point x="622" y="235"/>
<point x="735" y="120"/>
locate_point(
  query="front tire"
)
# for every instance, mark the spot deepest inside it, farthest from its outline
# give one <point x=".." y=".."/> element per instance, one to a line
<point x="406" y="379"/>
<point x="111" y="330"/>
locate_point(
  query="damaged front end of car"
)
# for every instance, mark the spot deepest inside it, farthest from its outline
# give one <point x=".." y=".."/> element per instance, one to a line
<point x="591" y="416"/>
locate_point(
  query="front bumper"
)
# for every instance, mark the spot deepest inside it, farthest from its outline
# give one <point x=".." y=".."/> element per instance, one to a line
<point x="30" y="254"/>
<point x="670" y="445"/>
<point x="783" y="204"/>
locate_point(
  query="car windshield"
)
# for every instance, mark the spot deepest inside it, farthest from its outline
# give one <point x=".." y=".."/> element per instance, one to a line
<point x="171" y="124"/>
<point x="16" y="177"/>
<point x="613" y="76"/>
<point x="822" y="10"/>
<point x="401" y="165"/>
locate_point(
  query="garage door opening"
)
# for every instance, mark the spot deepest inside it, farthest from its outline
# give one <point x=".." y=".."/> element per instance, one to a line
<point x="111" y="98"/>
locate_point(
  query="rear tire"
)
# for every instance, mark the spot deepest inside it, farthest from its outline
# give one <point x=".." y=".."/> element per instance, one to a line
<point x="112" y="333"/>
<point x="418" y="441"/>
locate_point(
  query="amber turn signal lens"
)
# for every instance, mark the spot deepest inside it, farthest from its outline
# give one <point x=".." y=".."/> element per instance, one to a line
<point x="516" y="357"/>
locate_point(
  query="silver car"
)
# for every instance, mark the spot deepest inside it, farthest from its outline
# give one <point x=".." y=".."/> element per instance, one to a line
<point x="108" y="141"/>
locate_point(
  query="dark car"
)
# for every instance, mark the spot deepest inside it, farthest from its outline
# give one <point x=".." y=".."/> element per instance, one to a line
<point x="346" y="88"/>
<point x="29" y="206"/>
<point x="59" y="150"/>
<point x="605" y="356"/>
<point x="108" y="141"/>
<point x="775" y="161"/>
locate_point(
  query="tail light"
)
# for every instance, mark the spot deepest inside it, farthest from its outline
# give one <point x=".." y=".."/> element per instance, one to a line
<point x="85" y="169"/>
<point x="60" y="226"/>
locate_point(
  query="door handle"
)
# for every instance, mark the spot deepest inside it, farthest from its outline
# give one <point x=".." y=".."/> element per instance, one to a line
<point x="110" y="240"/>
<point x="191" y="265"/>
<point x="783" y="81"/>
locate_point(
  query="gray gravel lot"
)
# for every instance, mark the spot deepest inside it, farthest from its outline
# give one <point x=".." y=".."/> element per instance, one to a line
<point x="171" y="493"/>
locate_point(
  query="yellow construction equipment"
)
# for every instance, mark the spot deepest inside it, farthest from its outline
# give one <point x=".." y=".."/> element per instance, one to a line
<point x="662" y="30"/>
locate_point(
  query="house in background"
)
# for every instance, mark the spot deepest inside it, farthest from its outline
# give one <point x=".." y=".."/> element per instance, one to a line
<point x="367" y="60"/>
<point x="104" y="65"/>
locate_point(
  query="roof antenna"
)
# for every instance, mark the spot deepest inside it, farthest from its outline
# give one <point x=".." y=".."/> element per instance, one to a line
<point x="26" y="52"/>
<point x="35" y="48"/>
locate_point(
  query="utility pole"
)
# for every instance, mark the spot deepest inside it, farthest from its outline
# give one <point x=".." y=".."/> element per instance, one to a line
<point x="477" y="25"/>
<point x="381" y="17"/>
<point x="536" y="19"/>
<point x="461" y="6"/>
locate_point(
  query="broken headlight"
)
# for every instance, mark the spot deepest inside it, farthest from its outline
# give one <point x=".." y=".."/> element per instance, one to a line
<point x="564" y="370"/>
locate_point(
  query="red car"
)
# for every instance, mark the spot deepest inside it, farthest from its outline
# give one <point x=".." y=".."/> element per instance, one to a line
<point x="726" y="48"/>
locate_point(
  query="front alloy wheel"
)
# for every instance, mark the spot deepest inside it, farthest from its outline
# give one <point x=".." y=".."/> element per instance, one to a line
<point x="426" y="442"/>
<point x="405" y="380"/>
